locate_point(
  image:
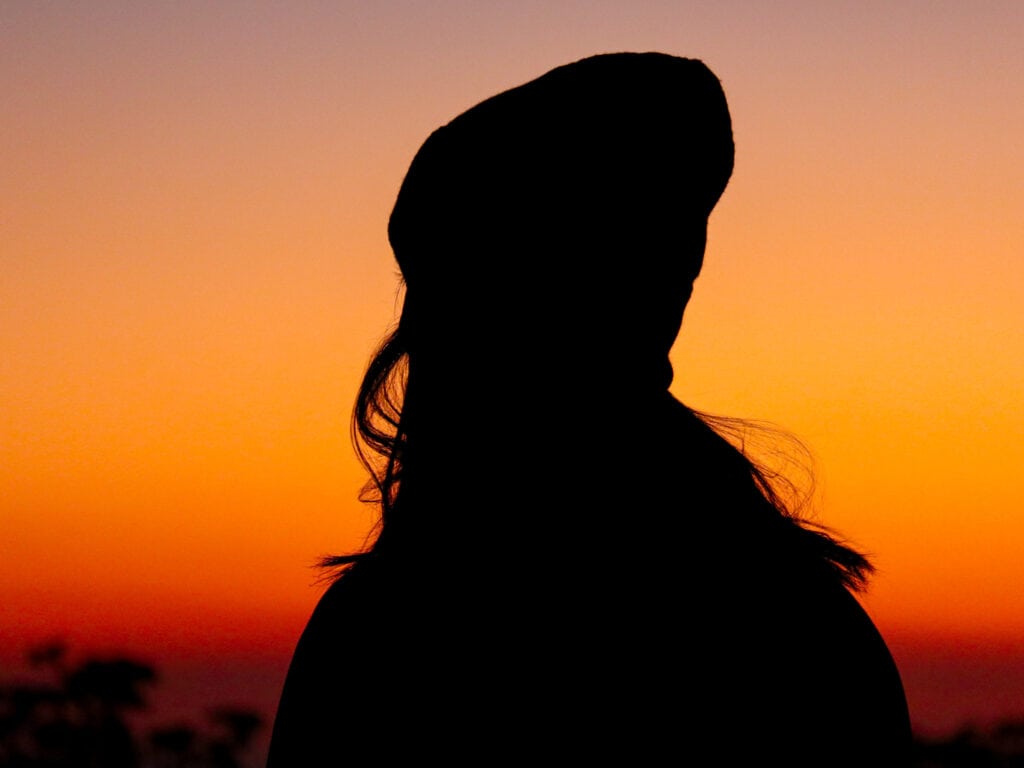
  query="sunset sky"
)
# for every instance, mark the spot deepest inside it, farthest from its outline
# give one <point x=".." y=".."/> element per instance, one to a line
<point x="194" y="270"/>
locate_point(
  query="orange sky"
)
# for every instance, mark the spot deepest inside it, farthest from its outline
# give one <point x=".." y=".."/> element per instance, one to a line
<point x="193" y="202"/>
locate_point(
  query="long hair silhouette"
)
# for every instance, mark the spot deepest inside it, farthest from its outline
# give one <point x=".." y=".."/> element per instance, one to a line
<point x="569" y="561"/>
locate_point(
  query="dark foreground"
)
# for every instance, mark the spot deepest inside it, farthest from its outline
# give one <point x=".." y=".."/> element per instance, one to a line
<point x="73" y="714"/>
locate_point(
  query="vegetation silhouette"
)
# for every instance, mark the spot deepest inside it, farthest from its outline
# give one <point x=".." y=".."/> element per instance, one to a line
<point x="998" y="746"/>
<point x="570" y="563"/>
<point x="41" y="725"/>
<point x="79" y="715"/>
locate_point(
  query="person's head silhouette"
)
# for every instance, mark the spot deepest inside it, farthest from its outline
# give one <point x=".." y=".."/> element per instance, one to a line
<point x="565" y="219"/>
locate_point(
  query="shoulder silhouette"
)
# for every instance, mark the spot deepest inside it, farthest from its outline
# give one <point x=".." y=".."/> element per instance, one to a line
<point x="570" y="563"/>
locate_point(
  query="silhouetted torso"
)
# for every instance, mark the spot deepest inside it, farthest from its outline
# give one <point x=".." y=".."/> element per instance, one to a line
<point x="679" y="625"/>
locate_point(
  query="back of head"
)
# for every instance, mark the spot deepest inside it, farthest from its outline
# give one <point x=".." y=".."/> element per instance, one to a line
<point x="569" y="206"/>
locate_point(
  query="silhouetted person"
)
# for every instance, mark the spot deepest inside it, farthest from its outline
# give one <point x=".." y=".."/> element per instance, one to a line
<point x="571" y="564"/>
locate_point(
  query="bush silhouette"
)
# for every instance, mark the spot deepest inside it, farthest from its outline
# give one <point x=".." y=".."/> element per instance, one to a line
<point x="77" y="714"/>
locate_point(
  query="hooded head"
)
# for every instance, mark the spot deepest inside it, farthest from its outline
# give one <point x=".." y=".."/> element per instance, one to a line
<point x="570" y="211"/>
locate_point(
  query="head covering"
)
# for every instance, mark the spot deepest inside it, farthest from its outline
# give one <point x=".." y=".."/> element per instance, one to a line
<point x="556" y="175"/>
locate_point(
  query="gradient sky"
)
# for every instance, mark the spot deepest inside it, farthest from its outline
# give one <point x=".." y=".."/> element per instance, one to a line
<point x="194" y="270"/>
